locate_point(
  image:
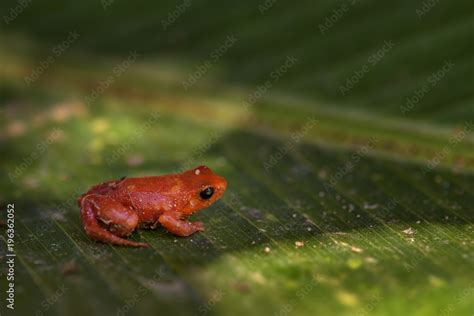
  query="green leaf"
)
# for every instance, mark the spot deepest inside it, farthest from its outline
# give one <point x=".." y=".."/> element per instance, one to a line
<point x="336" y="205"/>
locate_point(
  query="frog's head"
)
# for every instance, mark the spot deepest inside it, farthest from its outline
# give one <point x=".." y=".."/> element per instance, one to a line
<point x="205" y="187"/>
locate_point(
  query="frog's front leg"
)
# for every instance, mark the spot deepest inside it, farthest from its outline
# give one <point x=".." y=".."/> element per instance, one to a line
<point x="174" y="223"/>
<point x="107" y="220"/>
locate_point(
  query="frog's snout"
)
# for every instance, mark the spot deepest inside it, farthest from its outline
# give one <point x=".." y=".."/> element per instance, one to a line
<point x="222" y="185"/>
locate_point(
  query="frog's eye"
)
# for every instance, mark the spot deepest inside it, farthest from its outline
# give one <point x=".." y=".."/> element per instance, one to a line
<point x="207" y="193"/>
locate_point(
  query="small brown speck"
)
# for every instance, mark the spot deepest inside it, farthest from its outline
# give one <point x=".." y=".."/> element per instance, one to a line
<point x="241" y="287"/>
<point x="255" y="213"/>
<point x="16" y="128"/>
<point x="69" y="267"/>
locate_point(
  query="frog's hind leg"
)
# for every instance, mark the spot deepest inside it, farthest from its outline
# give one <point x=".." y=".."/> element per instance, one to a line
<point x="107" y="220"/>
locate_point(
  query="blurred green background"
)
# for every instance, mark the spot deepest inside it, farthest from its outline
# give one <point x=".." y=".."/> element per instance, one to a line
<point x="344" y="129"/>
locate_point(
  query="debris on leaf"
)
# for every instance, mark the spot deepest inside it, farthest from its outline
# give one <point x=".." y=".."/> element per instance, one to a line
<point x="241" y="287"/>
<point x="69" y="267"/>
<point x="299" y="244"/>
<point x="368" y="206"/>
<point x="408" y="231"/>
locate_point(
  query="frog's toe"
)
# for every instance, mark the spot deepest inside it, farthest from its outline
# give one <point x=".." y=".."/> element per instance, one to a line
<point x="198" y="226"/>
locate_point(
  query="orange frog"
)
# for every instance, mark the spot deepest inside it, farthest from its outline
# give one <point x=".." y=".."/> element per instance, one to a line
<point x="113" y="209"/>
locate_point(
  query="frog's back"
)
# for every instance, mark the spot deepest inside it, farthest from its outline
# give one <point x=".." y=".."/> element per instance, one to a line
<point x="167" y="184"/>
<point x="101" y="189"/>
